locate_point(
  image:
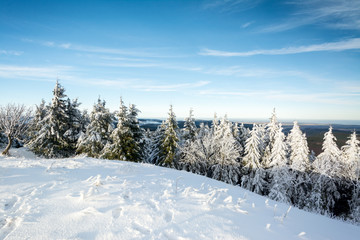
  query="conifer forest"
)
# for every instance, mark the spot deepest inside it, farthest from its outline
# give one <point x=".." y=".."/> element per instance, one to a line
<point x="261" y="159"/>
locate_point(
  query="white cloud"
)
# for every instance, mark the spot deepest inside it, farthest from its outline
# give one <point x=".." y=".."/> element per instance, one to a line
<point x="338" y="14"/>
<point x="11" y="52"/>
<point x="345" y="98"/>
<point x="68" y="74"/>
<point x="65" y="45"/>
<point x="350" y="44"/>
<point x="171" y="87"/>
<point x="230" y="6"/>
<point x="143" y="52"/>
<point x="247" y="24"/>
<point x="35" y="73"/>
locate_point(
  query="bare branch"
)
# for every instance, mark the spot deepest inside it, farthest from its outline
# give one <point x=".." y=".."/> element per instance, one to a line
<point x="14" y="120"/>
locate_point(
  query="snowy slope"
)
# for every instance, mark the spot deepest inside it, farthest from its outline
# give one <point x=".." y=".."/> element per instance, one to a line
<point x="84" y="198"/>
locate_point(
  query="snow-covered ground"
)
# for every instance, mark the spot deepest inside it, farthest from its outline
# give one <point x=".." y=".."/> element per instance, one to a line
<point x="84" y="198"/>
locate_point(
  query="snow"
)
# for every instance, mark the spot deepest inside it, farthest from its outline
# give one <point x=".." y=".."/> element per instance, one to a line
<point x="86" y="198"/>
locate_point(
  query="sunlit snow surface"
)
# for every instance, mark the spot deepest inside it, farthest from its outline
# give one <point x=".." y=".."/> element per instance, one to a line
<point x="84" y="198"/>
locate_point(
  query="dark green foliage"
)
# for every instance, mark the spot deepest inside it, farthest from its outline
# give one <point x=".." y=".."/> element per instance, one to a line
<point x="97" y="133"/>
<point x="126" y="138"/>
<point x="169" y="143"/>
<point x="52" y="128"/>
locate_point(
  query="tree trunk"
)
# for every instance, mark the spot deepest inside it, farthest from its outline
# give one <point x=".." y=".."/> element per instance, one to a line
<point x="6" y="151"/>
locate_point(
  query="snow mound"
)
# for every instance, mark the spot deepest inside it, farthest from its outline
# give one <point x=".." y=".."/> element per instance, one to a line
<point x="85" y="198"/>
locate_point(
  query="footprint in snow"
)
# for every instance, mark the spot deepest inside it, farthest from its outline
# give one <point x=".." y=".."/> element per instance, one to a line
<point x="8" y="225"/>
<point x="138" y="227"/>
<point x="9" y="204"/>
<point x="117" y="212"/>
<point x="153" y="204"/>
<point x="168" y="216"/>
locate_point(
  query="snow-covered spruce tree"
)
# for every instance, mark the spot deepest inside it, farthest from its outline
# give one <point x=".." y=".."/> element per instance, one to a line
<point x="199" y="155"/>
<point x="123" y="145"/>
<point x="271" y="129"/>
<point x="97" y="134"/>
<point x="328" y="162"/>
<point x="148" y="148"/>
<point x="299" y="164"/>
<point x="327" y="167"/>
<point x="39" y="115"/>
<point x="74" y="128"/>
<point x="85" y="120"/>
<point x="50" y="140"/>
<point x="252" y="156"/>
<point x="239" y="141"/>
<point x="350" y="156"/>
<point x="354" y="203"/>
<point x="242" y="135"/>
<point x="155" y="142"/>
<point x="190" y="129"/>
<point x="269" y="138"/>
<point x="169" y="144"/>
<point x="298" y="149"/>
<point x="134" y="125"/>
<point x="253" y="174"/>
<point x="226" y="167"/>
<point x="281" y="178"/>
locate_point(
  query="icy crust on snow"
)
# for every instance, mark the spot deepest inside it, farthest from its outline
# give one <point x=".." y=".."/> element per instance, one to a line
<point x="85" y="198"/>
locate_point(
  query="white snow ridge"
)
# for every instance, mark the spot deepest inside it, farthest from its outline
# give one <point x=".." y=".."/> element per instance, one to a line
<point x="85" y="198"/>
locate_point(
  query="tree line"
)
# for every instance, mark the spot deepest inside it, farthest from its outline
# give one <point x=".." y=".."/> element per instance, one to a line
<point x="261" y="159"/>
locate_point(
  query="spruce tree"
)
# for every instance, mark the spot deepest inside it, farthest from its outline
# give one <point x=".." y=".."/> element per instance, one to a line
<point x="268" y="139"/>
<point x="226" y="167"/>
<point x="354" y="202"/>
<point x="51" y="140"/>
<point x="74" y="124"/>
<point x="300" y="165"/>
<point x="169" y="143"/>
<point x="328" y="162"/>
<point x="97" y="134"/>
<point x="35" y="125"/>
<point x="136" y="131"/>
<point x="198" y="156"/>
<point x="350" y="156"/>
<point x="298" y="148"/>
<point x="123" y="145"/>
<point x="254" y="175"/>
<point x="148" y="147"/>
<point x="327" y="167"/>
<point x="243" y="135"/>
<point x="281" y="177"/>
<point x="189" y="127"/>
<point x="252" y="156"/>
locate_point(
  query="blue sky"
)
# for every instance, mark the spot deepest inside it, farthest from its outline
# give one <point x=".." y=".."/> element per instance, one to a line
<point x="236" y="57"/>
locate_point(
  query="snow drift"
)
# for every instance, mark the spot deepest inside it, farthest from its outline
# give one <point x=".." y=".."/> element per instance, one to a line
<point x="85" y="198"/>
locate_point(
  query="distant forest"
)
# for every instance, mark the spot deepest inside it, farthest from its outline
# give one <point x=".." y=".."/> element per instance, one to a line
<point x="266" y="158"/>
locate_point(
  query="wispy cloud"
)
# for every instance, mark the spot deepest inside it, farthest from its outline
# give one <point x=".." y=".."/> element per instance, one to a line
<point x="339" y="14"/>
<point x="11" y="52"/>
<point x="33" y="73"/>
<point x="134" y="52"/>
<point x="345" y="98"/>
<point x="349" y="44"/>
<point x="145" y="85"/>
<point x="132" y="64"/>
<point x="172" y="87"/>
<point x="71" y="75"/>
<point x="248" y="72"/>
<point x="247" y="24"/>
<point x="229" y="6"/>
